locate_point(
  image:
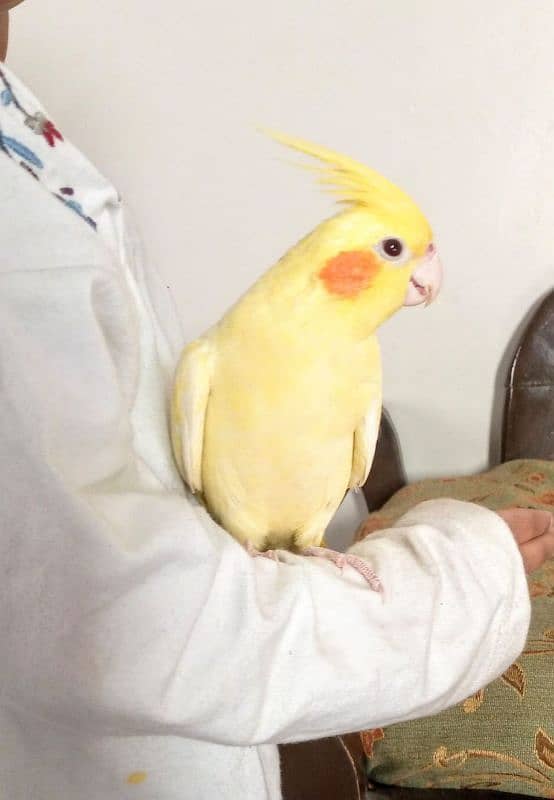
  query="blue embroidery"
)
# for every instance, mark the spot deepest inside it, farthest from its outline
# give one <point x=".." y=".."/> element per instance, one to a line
<point x="74" y="206"/>
<point x="9" y="146"/>
<point x="22" y="150"/>
<point x="79" y="209"/>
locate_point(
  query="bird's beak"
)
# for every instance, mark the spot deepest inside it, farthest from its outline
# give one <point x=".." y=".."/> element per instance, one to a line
<point x="425" y="281"/>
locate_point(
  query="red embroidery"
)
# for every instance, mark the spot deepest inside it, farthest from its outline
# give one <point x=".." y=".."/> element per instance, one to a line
<point x="51" y="133"/>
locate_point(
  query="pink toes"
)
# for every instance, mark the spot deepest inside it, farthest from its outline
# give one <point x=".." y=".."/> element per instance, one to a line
<point x="255" y="553"/>
<point x="340" y="559"/>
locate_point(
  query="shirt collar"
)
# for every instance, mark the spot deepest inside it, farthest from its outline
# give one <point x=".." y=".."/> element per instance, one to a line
<point x="30" y="137"/>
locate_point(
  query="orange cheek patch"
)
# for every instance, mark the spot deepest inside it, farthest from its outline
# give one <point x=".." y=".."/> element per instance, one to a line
<point x="349" y="272"/>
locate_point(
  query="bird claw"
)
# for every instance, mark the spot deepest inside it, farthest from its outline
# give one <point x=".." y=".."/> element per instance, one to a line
<point x="340" y="559"/>
<point x="255" y="553"/>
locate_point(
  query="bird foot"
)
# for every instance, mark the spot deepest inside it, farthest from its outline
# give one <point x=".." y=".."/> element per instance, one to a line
<point x="255" y="553"/>
<point x="340" y="559"/>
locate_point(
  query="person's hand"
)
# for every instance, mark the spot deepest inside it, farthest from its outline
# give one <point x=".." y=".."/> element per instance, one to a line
<point x="533" y="530"/>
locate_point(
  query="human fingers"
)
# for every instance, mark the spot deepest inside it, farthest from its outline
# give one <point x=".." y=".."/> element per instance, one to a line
<point x="527" y="524"/>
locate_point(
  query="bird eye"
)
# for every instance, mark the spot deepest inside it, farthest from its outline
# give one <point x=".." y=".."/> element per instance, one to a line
<point x="393" y="249"/>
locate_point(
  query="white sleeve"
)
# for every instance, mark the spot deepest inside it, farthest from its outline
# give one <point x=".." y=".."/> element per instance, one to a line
<point x="125" y="609"/>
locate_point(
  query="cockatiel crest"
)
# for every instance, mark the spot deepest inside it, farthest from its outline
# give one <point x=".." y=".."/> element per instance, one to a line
<point x="275" y="410"/>
<point x="352" y="183"/>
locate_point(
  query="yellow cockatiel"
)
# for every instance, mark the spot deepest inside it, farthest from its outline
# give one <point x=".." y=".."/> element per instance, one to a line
<point x="275" y="410"/>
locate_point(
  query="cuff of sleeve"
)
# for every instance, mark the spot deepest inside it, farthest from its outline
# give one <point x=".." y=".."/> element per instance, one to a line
<point x="490" y="568"/>
<point x="516" y="610"/>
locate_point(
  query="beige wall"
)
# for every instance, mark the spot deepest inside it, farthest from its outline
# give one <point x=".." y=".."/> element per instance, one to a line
<point x="454" y="101"/>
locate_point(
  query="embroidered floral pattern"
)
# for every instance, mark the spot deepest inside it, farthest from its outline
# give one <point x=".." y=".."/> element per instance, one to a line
<point x="21" y="150"/>
<point x="474" y="702"/>
<point x="515" y="678"/>
<point x="369" y="738"/>
<point x="547" y="498"/>
<point x="39" y="124"/>
<point x="536" y="477"/>
<point x="528" y="777"/>
<point x="542" y="584"/>
<point x="25" y="155"/>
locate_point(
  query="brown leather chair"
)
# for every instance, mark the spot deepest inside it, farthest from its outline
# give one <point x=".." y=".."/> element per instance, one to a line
<point x="528" y="430"/>
<point x="387" y="474"/>
<point x="334" y="768"/>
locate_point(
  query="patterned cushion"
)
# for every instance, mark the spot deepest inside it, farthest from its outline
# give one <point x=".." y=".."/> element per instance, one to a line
<point x="503" y="736"/>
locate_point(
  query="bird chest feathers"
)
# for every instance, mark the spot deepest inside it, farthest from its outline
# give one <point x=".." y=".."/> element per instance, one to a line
<point x="279" y="430"/>
<point x="310" y="377"/>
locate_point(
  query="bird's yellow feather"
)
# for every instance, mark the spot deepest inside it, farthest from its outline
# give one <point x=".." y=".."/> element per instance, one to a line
<point x="275" y="413"/>
<point x="353" y="183"/>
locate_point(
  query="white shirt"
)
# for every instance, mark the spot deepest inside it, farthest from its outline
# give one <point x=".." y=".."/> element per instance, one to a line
<point x="145" y="654"/>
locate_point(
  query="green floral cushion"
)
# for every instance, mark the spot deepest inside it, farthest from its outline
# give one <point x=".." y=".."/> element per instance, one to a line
<point x="503" y="736"/>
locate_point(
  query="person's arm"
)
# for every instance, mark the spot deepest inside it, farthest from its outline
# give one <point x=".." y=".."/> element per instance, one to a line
<point x="124" y="608"/>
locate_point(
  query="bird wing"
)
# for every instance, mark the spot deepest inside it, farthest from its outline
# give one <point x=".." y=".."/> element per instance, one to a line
<point x="365" y="435"/>
<point x="191" y="389"/>
<point x="365" y="439"/>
